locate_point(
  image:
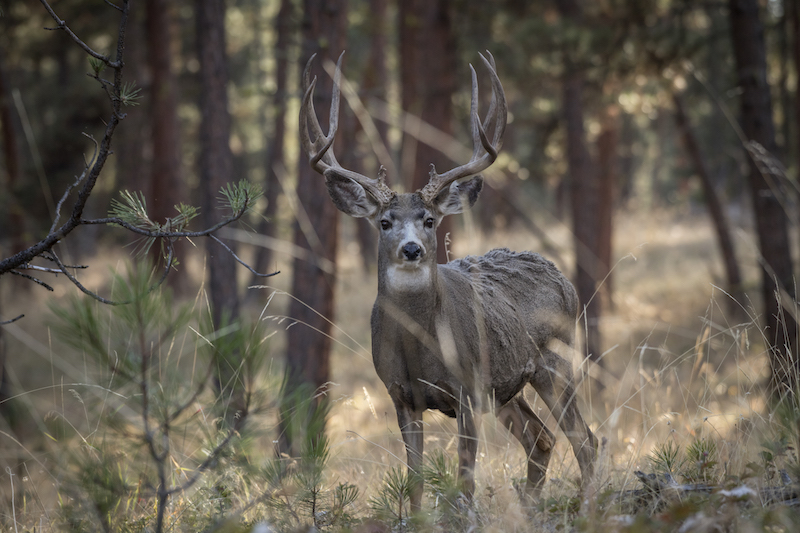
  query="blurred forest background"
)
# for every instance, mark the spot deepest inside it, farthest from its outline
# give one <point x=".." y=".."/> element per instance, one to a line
<point x="652" y="146"/>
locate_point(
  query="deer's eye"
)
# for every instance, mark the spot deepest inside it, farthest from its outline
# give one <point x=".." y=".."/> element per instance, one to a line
<point x="430" y="222"/>
<point x="385" y="224"/>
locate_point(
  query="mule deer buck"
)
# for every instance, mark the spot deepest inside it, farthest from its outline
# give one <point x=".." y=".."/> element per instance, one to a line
<point x="464" y="337"/>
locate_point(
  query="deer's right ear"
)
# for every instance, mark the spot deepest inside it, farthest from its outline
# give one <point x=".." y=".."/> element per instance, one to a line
<point x="349" y="197"/>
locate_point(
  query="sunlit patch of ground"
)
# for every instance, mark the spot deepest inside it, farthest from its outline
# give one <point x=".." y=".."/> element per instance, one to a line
<point x="681" y="363"/>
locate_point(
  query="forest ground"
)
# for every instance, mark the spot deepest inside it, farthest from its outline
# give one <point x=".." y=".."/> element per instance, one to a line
<point x="681" y="363"/>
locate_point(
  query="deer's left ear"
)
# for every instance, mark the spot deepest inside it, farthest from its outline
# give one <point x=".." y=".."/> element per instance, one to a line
<point x="459" y="196"/>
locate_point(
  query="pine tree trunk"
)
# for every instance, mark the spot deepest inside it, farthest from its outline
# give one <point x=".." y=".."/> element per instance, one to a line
<point x="215" y="167"/>
<point x="166" y="180"/>
<point x="275" y="156"/>
<point x="15" y="221"/>
<point x="794" y="15"/>
<point x="374" y="87"/>
<point x="427" y="77"/>
<point x="583" y="190"/>
<point x="780" y="331"/>
<point x="606" y="195"/>
<point x="584" y="202"/>
<point x="309" y="339"/>
<point x="715" y="208"/>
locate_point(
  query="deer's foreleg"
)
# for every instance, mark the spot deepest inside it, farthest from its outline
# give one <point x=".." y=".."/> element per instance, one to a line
<point x="410" y="422"/>
<point x="467" y="448"/>
<point x="534" y="436"/>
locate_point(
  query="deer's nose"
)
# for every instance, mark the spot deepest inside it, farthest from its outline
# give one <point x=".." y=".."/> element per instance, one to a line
<point x="412" y="251"/>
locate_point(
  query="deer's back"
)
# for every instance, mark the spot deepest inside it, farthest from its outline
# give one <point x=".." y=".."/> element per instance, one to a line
<point x="522" y="302"/>
<point x="525" y="280"/>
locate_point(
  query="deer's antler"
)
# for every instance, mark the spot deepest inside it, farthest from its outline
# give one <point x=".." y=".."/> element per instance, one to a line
<point x="484" y="152"/>
<point x="320" y="155"/>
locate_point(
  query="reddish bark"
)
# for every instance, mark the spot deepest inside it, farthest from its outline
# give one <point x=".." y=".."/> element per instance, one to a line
<point x="747" y="34"/>
<point x="427" y="77"/>
<point x="715" y="208"/>
<point x="583" y="190"/>
<point x="216" y="159"/>
<point x="166" y="179"/>
<point x="215" y="168"/>
<point x="606" y="195"/>
<point x="12" y="163"/>
<point x="374" y="86"/>
<point x="275" y="156"/>
<point x="309" y="339"/>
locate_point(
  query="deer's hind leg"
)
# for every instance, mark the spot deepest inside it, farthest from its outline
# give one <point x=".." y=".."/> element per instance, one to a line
<point x="553" y="382"/>
<point x="535" y="437"/>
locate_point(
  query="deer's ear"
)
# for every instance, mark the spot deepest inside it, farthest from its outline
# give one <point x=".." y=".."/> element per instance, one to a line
<point x="459" y="196"/>
<point x="349" y="197"/>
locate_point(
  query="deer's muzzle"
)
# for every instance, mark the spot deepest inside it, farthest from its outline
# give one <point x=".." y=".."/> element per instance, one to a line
<point x="412" y="251"/>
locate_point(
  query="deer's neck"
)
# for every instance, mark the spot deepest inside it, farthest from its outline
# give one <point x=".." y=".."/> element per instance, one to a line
<point x="405" y="286"/>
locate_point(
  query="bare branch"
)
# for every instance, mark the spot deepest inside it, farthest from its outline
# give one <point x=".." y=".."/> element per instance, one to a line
<point x="104" y="151"/>
<point x="62" y="25"/>
<point x="66" y="194"/>
<point x="78" y="284"/>
<point x="5" y="322"/>
<point x="35" y="280"/>
<point x="242" y="262"/>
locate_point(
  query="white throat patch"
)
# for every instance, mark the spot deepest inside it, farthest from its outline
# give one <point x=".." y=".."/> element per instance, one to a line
<point x="411" y="278"/>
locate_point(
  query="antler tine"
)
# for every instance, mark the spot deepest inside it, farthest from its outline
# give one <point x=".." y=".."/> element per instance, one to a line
<point x="496" y="116"/>
<point x="320" y="156"/>
<point x="318" y="149"/>
<point x="498" y="109"/>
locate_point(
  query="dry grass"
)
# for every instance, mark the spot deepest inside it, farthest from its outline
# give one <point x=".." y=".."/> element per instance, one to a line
<point x="681" y="364"/>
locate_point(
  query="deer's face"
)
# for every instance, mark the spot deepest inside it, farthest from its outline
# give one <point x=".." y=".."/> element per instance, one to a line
<point x="407" y="232"/>
<point x="407" y="242"/>
<point x="407" y="224"/>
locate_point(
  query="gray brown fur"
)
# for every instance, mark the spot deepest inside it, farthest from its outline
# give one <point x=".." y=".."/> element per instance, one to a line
<point x="466" y="337"/>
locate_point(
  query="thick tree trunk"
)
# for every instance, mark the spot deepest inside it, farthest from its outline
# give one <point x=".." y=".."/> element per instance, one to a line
<point x="583" y="192"/>
<point x="794" y="13"/>
<point x="794" y="16"/>
<point x="376" y="74"/>
<point x="15" y="221"/>
<point x="427" y="78"/>
<point x="216" y="160"/>
<point x="374" y="87"/>
<point x="777" y="283"/>
<point x="606" y="195"/>
<point x="309" y="340"/>
<point x="131" y="153"/>
<point x="215" y="168"/>
<point x="275" y="156"/>
<point x="715" y="208"/>
<point x="166" y="180"/>
<point x="584" y="201"/>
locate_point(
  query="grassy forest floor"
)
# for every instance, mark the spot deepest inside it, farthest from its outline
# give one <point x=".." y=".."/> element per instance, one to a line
<point x="679" y="391"/>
